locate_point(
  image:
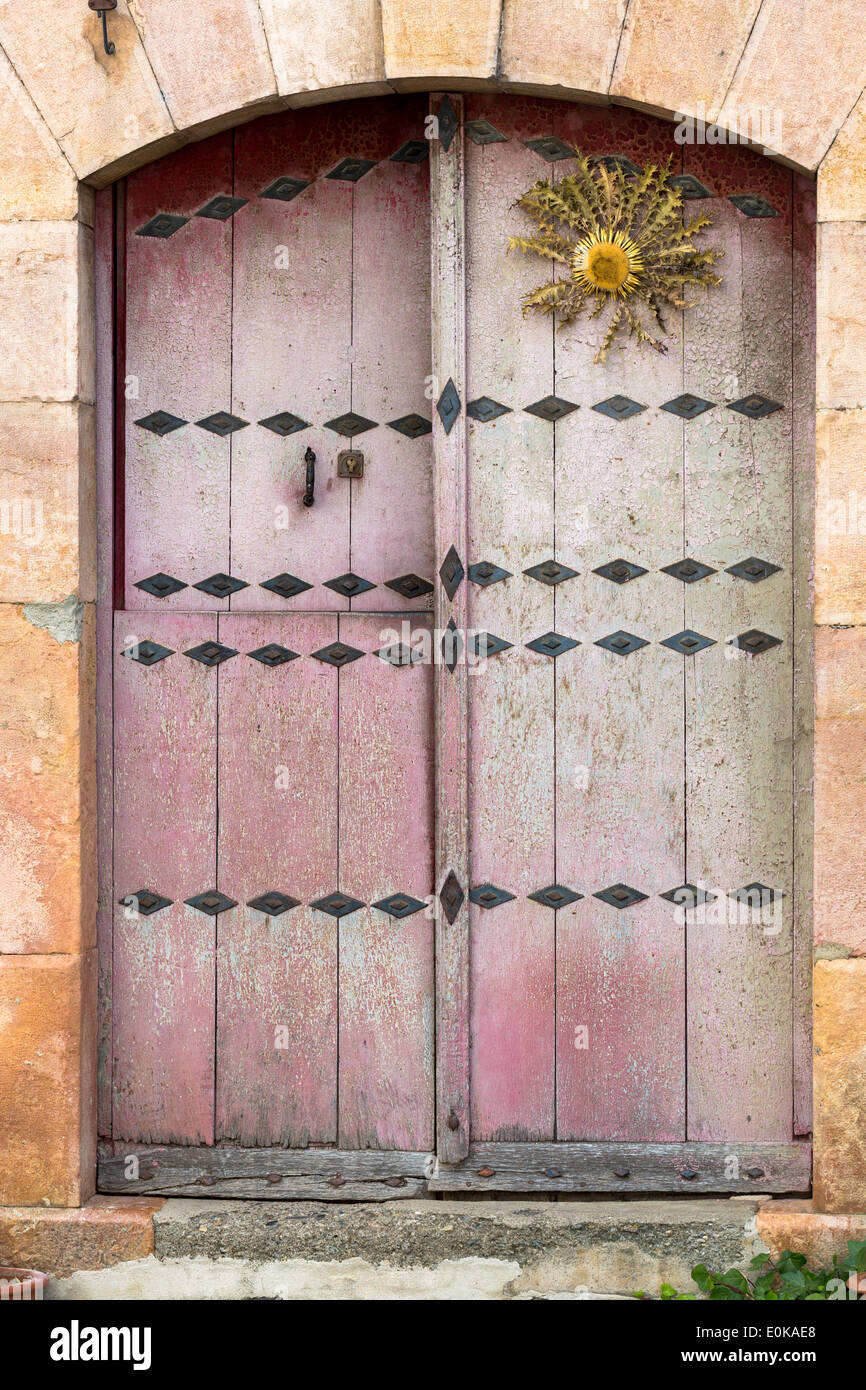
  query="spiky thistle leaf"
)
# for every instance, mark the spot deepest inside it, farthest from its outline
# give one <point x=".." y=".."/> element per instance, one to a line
<point x="626" y="244"/>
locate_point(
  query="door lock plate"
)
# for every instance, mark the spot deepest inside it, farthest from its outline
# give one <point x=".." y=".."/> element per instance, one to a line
<point x="350" y="463"/>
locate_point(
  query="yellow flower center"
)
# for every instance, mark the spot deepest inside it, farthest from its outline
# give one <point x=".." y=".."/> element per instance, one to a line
<point x="607" y="266"/>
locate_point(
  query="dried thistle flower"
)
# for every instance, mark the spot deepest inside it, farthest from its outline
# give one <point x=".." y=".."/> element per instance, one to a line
<point x="625" y="244"/>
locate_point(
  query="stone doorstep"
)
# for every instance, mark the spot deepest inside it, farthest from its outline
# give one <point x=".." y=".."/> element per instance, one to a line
<point x="138" y="1247"/>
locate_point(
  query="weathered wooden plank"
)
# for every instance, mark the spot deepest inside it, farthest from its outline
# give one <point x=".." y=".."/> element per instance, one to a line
<point x="392" y="531"/>
<point x="291" y="342"/>
<point x="178" y="360"/>
<point x="511" y="791"/>
<point x="619" y="745"/>
<point x="628" y="1168"/>
<point x="106" y="327"/>
<point x="386" y="1058"/>
<point x="276" y="1060"/>
<point x="803" y="442"/>
<point x="164" y="841"/>
<point x="448" y="314"/>
<point x="739" y="707"/>
<point x="322" y="1175"/>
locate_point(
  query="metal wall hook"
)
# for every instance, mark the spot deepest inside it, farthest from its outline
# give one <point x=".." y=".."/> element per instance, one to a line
<point x="102" y="7"/>
<point x="310" y="494"/>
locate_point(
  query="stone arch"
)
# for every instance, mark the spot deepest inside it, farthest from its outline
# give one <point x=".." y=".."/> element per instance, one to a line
<point x="73" y="118"/>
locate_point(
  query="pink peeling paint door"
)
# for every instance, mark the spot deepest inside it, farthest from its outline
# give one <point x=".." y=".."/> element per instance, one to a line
<point x="625" y="999"/>
<point x="455" y="688"/>
<point x="267" y="939"/>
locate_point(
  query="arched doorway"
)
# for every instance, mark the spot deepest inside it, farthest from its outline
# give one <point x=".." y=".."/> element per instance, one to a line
<point x="374" y="899"/>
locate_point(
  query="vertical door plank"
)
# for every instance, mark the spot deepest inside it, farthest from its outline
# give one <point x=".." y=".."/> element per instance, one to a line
<point x="165" y="838"/>
<point x="511" y="790"/>
<point x="292" y="330"/>
<point x="276" y="1058"/>
<point x="392" y="533"/>
<point x="178" y="359"/>
<point x="619" y="733"/>
<point x="739" y="707"/>
<point x="386" y="833"/>
<point x="803" y="442"/>
<point x="106" y="328"/>
<point x="448" y="328"/>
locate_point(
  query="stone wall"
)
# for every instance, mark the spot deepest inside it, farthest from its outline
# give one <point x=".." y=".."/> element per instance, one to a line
<point x="73" y="118"/>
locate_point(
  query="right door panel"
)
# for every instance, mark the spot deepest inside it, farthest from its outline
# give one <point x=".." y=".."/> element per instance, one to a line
<point x="601" y="1010"/>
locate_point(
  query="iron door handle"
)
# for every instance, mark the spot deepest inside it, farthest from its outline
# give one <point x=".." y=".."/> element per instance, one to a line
<point x="310" y="494"/>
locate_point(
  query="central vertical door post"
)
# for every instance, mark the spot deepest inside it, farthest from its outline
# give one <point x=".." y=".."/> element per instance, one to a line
<point x="448" y="313"/>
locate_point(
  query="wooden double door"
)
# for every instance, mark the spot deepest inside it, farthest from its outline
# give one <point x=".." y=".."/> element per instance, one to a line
<point x="385" y="902"/>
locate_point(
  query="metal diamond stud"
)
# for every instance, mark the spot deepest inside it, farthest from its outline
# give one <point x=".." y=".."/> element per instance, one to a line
<point x="400" y="654"/>
<point x="273" y="904"/>
<point x="148" y="653"/>
<point x="619" y="407"/>
<point x="349" y="585"/>
<point x="620" y="571"/>
<point x="451" y="645"/>
<point x="160" y="585"/>
<point x="755" y="407"/>
<point x="146" y="901"/>
<point x="551" y="148"/>
<point x="337" y="654"/>
<point x="273" y="654"/>
<point x="688" y="895"/>
<point x="485" y="409"/>
<point x="552" y="644"/>
<point x="211" y="653"/>
<point x="410" y="586"/>
<point x="285" y="423"/>
<point x="687" y="407"/>
<point x="551" y="572"/>
<point x="451" y="573"/>
<point x="399" y="905"/>
<point x="222" y="207"/>
<point x="337" y="904"/>
<point x="451" y="896"/>
<point x="161" y="422"/>
<point x="615" y="161"/>
<point x="286" y="585"/>
<point x="448" y="406"/>
<point x="621" y="643"/>
<point x="350" y="424"/>
<point x="620" y="895"/>
<point x="756" y="895"/>
<point x="753" y="569"/>
<point x="411" y="152"/>
<point x="211" y="902"/>
<point x="488" y="644"/>
<point x="285" y="189"/>
<point x="413" y="426"/>
<point x="221" y="585"/>
<point x="688" y="642"/>
<point x="485" y="572"/>
<point x="689" y="571"/>
<point x="487" y="895"/>
<point x="556" y="895"/>
<point x="756" y="642"/>
<point x="446" y="119"/>
<point x="551" y="408"/>
<point x="483" y="133"/>
<point x="351" y="169"/>
<point x="222" y="423"/>
<point x="752" y="206"/>
<point x="163" y="225"/>
<point x="689" y="186"/>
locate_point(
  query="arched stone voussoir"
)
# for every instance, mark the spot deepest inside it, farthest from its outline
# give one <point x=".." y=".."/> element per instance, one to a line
<point x="180" y="73"/>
